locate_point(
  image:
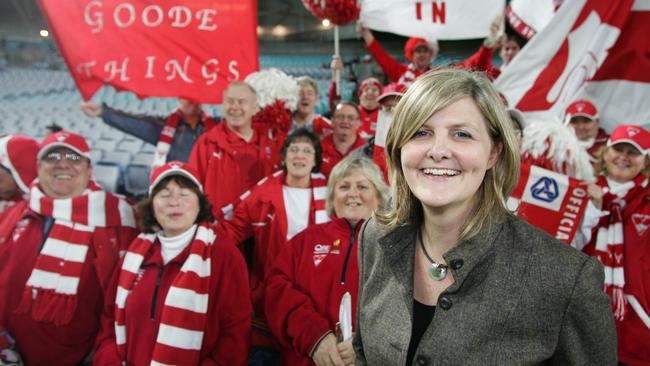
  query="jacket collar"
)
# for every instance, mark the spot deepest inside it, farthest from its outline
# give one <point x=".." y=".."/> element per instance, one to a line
<point x="399" y="247"/>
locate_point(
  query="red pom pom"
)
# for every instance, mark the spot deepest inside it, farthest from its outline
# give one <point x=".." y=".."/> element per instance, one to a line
<point x="339" y="12"/>
<point x="275" y="116"/>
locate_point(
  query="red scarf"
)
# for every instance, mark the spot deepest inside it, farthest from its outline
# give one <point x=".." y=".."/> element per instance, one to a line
<point x="167" y="135"/>
<point x="51" y="291"/>
<point x="610" y="240"/>
<point x="182" y="323"/>
<point x="318" y="184"/>
<point x="409" y="76"/>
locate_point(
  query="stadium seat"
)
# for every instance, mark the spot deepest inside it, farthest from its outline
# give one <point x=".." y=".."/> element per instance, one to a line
<point x="107" y="175"/>
<point x="143" y="158"/>
<point x="121" y="158"/>
<point x="106" y="145"/>
<point x="96" y="155"/>
<point x="136" y="180"/>
<point x="131" y="146"/>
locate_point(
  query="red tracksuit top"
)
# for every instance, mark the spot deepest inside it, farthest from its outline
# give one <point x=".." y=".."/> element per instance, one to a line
<point x="41" y="343"/>
<point x="305" y="286"/>
<point x="228" y="165"/>
<point x="331" y="156"/>
<point x="226" y="338"/>
<point x="263" y="216"/>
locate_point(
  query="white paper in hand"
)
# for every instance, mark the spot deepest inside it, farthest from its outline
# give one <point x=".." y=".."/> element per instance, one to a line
<point x="345" y="316"/>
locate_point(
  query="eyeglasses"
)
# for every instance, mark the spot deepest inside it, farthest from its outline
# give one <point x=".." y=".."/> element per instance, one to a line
<point x="305" y="150"/>
<point x="343" y="117"/>
<point x="54" y="157"/>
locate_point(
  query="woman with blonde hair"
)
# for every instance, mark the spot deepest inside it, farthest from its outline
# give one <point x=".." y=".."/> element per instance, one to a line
<point x="615" y="230"/>
<point x="317" y="267"/>
<point x="502" y="291"/>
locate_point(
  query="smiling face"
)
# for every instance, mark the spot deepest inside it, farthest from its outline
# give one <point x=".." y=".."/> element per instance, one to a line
<point x="624" y="162"/>
<point x="239" y="106"/>
<point x="307" y="99"/>
<point x="368" y="97"/>
<point x="345" y="120"/>
<point x="355" y="197"/>
<point x="175" y="208"/>
<point x="300" y="159"/>
<point x="584" y="127"/>
<point x="422" y="57"/>
<point x="64" y="178"/>
<point x="445" y="162"/>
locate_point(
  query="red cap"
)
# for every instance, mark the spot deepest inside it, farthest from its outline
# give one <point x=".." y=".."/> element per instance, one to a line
<point x="582" y="108"/>
<point x="72" y="141"/>
<point x="369" y="82"/>
<point x="18" y="155"/>
<point x="637" y="136"/>
<point x="392" y="89"/>
<point x="414" y="42"/>
<point x="174" y="168"/>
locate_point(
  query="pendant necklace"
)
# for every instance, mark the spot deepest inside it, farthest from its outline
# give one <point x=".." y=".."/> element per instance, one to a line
<point x="438" y="271"/>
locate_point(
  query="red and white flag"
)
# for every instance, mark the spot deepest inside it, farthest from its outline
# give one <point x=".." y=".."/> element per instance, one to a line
<point x="529" y="17"/>
<point x="550" y="201"/>
<point x="440" y="19"/>
<point x="591" y="49"/>
<point x="189" y="49"/>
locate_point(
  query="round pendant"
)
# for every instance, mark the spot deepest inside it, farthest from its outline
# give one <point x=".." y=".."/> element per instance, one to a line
<point x="438" y="272"/>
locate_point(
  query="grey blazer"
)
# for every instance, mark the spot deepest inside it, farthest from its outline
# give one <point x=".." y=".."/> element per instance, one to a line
<point x="520" y="297"/>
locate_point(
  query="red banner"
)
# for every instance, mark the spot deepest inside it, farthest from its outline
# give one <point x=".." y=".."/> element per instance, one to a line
<point x="162" y="48"/>
<point x="551" y="201"/>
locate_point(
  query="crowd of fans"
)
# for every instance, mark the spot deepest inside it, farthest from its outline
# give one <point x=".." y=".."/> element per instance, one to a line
<point x="89" y="275"/>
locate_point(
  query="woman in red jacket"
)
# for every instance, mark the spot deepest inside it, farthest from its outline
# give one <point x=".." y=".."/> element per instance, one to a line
<point x="318" y="266"/>
<point x="277" y="208"/>
<point x="182" y="294"/>
<point x="616" y="230"/>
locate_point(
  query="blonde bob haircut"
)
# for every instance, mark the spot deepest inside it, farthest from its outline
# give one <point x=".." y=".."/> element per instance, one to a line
<point x="368" y="169"/>
<point x="428" y="95"/>
<point x="600" y="168"/>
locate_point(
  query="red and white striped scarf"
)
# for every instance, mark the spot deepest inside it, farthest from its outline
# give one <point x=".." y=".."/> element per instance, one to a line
<point x="167" y="135"/>
<point x="610" y="239"/>
<point x="180" y="334"/>
<point x="318" y="212"/>
<point x="51" y="291"/>
<point x="409" y="76"/>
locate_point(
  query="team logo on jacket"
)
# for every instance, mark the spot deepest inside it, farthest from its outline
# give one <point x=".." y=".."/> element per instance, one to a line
<point x="217" y="154"/>
<point x="641" y="223"/>
<point x="20" y="229"/>
<point x="320" y="252"/>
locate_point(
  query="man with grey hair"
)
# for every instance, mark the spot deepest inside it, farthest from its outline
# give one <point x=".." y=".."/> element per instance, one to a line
<point x="231" y="157"/>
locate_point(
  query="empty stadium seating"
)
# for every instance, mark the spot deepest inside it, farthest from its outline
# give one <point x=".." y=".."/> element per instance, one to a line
<point x="31" y="100"/>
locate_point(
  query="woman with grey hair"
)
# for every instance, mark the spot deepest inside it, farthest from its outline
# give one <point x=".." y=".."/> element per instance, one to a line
<point x="318" y="266"/>
<point x="448" y="275"/>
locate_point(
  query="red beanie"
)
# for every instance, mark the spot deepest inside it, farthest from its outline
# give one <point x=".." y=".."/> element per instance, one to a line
<point x="369" y="82"/>
<point x="18" y="155"/>
<point x="414" y="42"/>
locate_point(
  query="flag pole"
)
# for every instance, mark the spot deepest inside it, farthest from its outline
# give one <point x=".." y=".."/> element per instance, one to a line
<point x="337" y="73"/>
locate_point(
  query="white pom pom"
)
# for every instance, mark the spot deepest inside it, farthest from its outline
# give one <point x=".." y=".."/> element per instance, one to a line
<point x="273" y="84"/>
<point x="560" y="145"/>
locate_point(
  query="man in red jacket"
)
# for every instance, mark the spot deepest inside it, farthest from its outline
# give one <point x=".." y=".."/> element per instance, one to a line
<point x="58" y="252"/>
<point x="233" y="156"/>
<point x="345" y="137"/>
<point x="419" y="51"/>
<point x="582" y="116"/>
